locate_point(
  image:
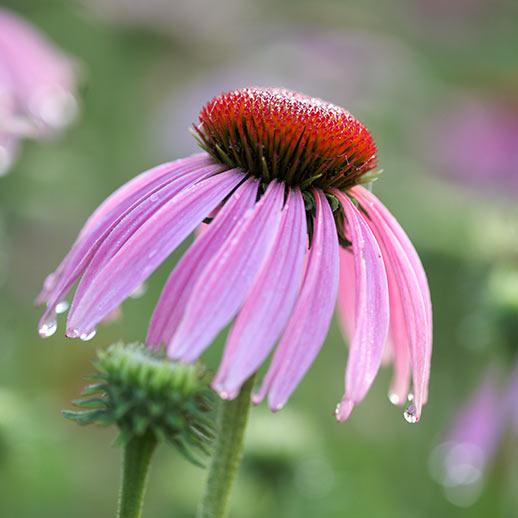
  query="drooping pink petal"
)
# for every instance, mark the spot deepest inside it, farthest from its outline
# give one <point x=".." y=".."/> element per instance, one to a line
<point x="226" y="280"/>
<point x="371" y="311"/>
<point x="129" y="225"/>
<point x="142" y="184"/>
<point x="270" y="303"/>
<point x="176" y="292"/>
<point x="410" y="281"/>
<point x="147" y="248"/>
<point x="346" y="293"/>
<point x="398" y="340"/>
<point x="96" y="248"/>
<point x="309" y="322"/>
<point x="108" y="215"/>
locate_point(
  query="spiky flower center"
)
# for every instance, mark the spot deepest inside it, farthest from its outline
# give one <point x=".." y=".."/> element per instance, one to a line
<point x="276" y="133"/>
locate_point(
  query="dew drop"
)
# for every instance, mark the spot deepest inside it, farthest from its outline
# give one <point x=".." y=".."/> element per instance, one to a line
<point x="48" y="328"/>
<point x="139" y="291"/>
<point x="394" y="398"/>
<point x="85" y="337"/>
<point x="410" y="414"/>
<point x="61" y="307"/>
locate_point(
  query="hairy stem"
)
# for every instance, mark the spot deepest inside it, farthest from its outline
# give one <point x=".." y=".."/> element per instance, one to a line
<point x="228" y="449"/>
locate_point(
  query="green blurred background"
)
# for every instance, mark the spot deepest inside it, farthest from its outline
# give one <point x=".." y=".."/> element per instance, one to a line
<point x="146" y="68"/>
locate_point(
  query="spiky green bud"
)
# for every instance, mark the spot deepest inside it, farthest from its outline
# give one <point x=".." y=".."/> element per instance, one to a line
<point x="142" y="392"/>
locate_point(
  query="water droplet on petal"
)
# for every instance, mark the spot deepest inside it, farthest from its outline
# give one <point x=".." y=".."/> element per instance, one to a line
<point x="394" y="398"/>
<point x="48" y="328"/>
<point x="139" y="291"/>
<point x="61" y="307"/>
<point x="85" y="337"/>
<point x="277" y="407"/>
<point x="410" y="414"/>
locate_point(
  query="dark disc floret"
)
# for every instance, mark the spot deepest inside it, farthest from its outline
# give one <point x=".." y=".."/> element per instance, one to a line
<point x="277" y="133"/>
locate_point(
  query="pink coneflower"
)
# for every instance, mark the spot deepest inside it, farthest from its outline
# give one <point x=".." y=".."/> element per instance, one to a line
<point x="37" y="82"/>
<point x="290" y="224"/>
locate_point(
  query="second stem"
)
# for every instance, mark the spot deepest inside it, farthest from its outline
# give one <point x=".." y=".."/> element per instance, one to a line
<point x="228" y="450"/>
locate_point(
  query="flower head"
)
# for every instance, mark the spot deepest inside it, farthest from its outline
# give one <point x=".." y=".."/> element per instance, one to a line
<point x="37" y="82"/>
<point x="289" y="226"/>
<point x="276" y="133"/>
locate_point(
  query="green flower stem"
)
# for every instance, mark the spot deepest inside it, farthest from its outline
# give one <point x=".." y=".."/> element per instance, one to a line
<point x="226" y="457"/>
<point x="136" y="458"/>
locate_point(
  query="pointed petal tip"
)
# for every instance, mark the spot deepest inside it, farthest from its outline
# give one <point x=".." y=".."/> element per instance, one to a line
<point x="178" y="356"/>
<point x="343" y="410"/>
<point x="154" y="346"/>
<point x="257" y="398"/>
<point x="72" y="333"/>
<point x="276" y="407"/>
<point x="222" y="391"/>
<point x="395" y="398"/>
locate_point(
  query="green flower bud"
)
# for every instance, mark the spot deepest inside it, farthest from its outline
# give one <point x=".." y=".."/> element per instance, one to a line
<point x="144" y="393"/>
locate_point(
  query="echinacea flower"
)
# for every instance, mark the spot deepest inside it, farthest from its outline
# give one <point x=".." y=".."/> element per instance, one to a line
<point x="290" y="225"/>
<point x="37" y="84"/>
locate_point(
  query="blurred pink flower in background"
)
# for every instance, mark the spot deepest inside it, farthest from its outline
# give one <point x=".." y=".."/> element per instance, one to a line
<point x="281" y="177"/>
<point x="461" y="463"/>
<point x="37" y="85"/>
<point x="475" y="143"/>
